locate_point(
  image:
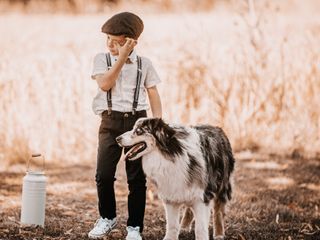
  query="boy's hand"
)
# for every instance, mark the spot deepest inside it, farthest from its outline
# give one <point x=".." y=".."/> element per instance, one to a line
<point x="126" y="49"/>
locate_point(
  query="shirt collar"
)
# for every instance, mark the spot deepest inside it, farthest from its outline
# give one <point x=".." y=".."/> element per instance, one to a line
<point x="132" y="57"/>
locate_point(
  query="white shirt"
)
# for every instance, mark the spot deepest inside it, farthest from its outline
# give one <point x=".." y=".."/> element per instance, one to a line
<point x="122" y="93"/>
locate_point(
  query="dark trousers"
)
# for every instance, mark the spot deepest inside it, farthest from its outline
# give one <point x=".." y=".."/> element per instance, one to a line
<point x="109" y="153"/>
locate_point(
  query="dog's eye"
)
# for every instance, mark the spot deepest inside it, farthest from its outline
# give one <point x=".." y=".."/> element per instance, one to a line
<point x="139" y="131"/>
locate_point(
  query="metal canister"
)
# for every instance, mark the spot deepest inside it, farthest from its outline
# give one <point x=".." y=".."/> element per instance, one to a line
<point x="34" y="195"/>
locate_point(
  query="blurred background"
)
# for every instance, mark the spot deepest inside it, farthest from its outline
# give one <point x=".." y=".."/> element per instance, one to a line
<point x="249" y="66"/>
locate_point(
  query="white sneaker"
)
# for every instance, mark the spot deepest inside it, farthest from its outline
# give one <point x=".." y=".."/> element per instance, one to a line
<point x="133" y="233"/>
<point x="102" y="227"/>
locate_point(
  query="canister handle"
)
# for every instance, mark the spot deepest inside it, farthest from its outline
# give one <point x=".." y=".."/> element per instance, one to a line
<point x="33" y="156"/>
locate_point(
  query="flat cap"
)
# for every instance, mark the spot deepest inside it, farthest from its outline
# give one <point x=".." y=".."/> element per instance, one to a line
<point x="124" y="23"/>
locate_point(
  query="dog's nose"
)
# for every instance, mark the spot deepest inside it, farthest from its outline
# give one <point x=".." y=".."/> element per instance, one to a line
<point x="118" y="139"/>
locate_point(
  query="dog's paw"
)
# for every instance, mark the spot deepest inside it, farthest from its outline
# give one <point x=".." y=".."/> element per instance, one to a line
<point x="219" y="237"/>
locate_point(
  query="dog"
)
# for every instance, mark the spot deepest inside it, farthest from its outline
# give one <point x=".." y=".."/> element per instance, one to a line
<point x="191" y="167"/>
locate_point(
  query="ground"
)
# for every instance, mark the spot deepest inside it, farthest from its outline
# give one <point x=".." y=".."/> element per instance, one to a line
<point x="274" y="198"/>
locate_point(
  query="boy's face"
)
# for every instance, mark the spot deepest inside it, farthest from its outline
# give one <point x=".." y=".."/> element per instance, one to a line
<point x="113" y="42"/>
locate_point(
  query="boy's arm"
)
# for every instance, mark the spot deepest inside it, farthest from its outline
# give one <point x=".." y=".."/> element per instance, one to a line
<point x="107" y="80"/>
<point x="155" y="101"/>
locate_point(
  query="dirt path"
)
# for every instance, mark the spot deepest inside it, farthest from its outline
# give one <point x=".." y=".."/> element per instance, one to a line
<point x="274" y="198"/>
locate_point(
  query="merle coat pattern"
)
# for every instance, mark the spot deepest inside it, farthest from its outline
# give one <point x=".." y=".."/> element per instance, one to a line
<point x="191" y="167"/>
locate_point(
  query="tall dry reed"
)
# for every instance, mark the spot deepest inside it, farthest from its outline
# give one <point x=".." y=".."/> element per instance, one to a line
<point x="261" y="88"/>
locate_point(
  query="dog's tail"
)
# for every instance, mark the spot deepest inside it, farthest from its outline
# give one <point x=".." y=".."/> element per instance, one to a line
<point x="230" y="164"/>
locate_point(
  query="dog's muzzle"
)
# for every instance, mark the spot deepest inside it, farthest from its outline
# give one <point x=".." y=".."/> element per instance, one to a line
<point x="118" y="140"/>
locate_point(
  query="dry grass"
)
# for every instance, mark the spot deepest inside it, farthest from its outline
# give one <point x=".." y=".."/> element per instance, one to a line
<point x="101" y="6"/>
<point x="273" y="199"/>
<point x="259" y="79"/>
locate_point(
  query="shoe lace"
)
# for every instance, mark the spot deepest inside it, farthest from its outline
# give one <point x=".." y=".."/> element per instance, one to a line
<point x="133" y="231"/>
<point x="102" y="221"/>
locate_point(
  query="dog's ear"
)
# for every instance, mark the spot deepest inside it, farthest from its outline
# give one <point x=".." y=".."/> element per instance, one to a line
<point x="165" y="137"/>
<point x="162" y="129"/>
<point x="156" y="122"/>
<point x="168" y="131"/>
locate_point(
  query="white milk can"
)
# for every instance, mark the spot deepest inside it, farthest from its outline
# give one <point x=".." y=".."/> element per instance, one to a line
<point x="34" y="194"/>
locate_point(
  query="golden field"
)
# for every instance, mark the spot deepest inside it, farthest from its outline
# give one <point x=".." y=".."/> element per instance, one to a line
<point x="256" y="73"/>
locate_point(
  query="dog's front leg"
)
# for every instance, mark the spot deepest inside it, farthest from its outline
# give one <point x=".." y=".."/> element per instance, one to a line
<point x="172" y="218"/>
<point x="202" y="213"/>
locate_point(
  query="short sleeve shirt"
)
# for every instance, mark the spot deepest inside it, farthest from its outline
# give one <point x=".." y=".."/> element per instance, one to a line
<point x="122" y="93"/>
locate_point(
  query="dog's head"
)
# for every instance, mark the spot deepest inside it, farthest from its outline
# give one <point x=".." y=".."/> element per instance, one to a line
<point x="147" y="135"/>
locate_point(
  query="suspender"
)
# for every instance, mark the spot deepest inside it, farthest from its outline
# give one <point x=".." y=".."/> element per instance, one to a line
<point x="136" y="91"/>
<point x="109" y="91"/>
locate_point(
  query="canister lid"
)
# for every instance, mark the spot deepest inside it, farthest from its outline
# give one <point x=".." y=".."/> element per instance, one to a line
<point x="35" y="172"/>
<point x="35" y="157"/>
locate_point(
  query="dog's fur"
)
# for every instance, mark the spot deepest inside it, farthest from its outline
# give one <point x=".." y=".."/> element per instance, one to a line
<point x="191" y="166"/>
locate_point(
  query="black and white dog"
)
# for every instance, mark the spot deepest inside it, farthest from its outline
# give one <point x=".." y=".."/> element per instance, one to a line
<point x="191" y="166"/>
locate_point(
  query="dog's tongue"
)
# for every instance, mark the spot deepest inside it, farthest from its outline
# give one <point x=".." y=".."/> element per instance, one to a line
<point x="129" y="153"/>
<point x="135" y="148"/>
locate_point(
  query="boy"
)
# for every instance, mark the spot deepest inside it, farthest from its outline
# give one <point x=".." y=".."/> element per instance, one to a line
<point x="123" y="78"/>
